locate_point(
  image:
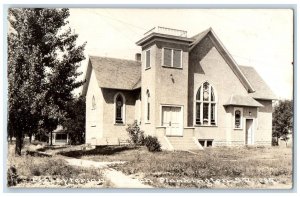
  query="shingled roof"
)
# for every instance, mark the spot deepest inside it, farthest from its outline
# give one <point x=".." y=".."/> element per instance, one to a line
<point x="262" y="90"/>
<point x="116" y="73"/>
<point x="239" y="100"/>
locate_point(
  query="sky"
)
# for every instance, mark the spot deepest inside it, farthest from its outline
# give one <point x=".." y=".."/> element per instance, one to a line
<point x="261" y="38"/>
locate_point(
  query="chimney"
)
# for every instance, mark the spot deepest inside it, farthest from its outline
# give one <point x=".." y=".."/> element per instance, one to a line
<point x="138" y="57"/>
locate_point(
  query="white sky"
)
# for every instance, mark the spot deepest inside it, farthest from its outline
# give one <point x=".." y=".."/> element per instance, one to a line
<point x="259" y="38"/>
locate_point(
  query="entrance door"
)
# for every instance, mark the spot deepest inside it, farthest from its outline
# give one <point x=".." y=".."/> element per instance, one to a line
<point x="172" y="119"/>
<point x="249" y="132"/>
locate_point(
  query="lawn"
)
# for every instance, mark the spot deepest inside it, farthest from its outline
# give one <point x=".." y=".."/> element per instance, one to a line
<point x="223" y="167"/>
<point x="50" y="172"/>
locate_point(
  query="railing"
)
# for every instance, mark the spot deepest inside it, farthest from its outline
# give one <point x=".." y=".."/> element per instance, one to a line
<point x="168" y="31"/>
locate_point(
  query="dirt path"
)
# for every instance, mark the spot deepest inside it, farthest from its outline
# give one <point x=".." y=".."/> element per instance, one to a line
<point x="117" y="178"/>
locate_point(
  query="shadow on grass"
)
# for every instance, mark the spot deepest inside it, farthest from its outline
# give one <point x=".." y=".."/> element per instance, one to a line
<point x="99" y="150"/>
<point x="50" y="148"/>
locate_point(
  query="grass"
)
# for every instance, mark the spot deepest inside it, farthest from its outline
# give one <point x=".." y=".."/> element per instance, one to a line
<point x="257" y="164"/>
<point x="54" y="172"/>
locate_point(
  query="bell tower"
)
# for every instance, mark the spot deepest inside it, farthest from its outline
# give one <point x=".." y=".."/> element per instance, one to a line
<point x="165" y="54"/>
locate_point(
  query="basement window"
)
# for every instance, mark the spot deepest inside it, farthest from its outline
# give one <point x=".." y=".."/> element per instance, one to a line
<point x="206" y="142"/>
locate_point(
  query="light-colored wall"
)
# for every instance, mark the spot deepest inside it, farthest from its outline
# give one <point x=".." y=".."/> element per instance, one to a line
<point x="206" y="63"/>
<point x="94" y="117"/>
<point x="148" y="83"/>
<point x="113" y="132"/>
<point x="264" y="129"/>
<point x="171" y="83"/>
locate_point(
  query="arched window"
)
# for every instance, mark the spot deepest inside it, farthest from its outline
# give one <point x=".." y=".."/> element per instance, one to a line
<point x="206" y="109"/>
<point x="238" y="118"/>
<point x="147" y="106"/>
<point x="93" y="102"/>
<point x="119" y="109"/>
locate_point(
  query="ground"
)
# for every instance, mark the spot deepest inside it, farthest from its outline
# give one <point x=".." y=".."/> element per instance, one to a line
<point x="50" y="172"/>
<point x="223" y="167"/>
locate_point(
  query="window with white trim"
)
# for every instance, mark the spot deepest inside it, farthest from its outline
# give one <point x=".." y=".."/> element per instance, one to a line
<point x="172" y="57"/>
<point x="147" y="106"/>
<point x="206" y="106"/>
<point x="238" y="118"/>
<point x="119" y="109"/>
<point x="148" y="59"/>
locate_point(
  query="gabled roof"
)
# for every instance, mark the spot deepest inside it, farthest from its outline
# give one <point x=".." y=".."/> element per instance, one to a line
<point x="239" y="100"/>
<point x="116" y="73"/>
<point x="198" y="37"/>
<point x="226" y="55"/>
<point x="262" y="90"/>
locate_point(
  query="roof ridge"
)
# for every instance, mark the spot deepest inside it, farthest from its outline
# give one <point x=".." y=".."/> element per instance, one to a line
<point x="114" y="58"/>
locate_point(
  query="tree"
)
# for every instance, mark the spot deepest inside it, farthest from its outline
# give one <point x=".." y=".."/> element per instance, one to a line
<point x="42" y="68"/>
<point x="75" y="121"/>
<point x="282" y="119"/>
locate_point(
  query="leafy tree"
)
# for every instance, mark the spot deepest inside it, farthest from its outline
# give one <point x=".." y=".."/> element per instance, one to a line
<point x="282" y="119"/>
<point x="75" y="121"/>
<point x="42" y="68"/>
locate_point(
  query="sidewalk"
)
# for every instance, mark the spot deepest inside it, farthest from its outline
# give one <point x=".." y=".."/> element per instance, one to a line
<point x="117" y="178"/>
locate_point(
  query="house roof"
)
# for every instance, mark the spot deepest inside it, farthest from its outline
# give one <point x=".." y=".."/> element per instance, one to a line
<point x="59" y="129"/>
<point x="239" y="100"/>
<point x="262" y="90"/>
<point x="198" y="37"/>
<point x="116" y="73"/>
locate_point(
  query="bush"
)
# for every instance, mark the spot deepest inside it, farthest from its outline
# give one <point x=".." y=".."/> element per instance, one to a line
<point x="136" y="135"/>
<point x="12" y="176"/>
<point x="274" y="141"/>
<point x="152" y="144"/>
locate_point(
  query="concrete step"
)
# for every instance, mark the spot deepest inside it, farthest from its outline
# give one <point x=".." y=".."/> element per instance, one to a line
<point x="183" y="143"/>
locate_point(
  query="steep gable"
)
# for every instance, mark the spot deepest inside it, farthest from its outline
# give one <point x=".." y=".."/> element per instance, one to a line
<point x="226" y="55"/>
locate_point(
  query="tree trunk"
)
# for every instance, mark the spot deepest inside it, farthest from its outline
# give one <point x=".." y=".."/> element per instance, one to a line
<point x="19" y="143"/>
<point x="51" y="138"/>
<point x="30" y="137"/>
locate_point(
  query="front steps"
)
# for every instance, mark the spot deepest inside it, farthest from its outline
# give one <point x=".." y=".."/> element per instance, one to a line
<point x="184" y="143"/>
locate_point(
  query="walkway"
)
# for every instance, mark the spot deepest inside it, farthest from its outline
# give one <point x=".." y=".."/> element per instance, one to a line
<point x="117" y="178"/>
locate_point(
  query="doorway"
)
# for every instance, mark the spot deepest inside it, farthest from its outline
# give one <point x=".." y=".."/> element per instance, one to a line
<point x="249" y="132"/>
<point x="172" y="119"/>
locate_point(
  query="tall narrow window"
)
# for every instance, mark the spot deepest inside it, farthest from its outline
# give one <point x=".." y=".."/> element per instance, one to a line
<point x="206" y="106"/>
<point x="93" y="102"/>
<point x="148" y="59"/>
<point x="238" y="114"/>
<point x="167" y="57"/>
<point x="148" y="106"/>
<point x="119" y="107"/>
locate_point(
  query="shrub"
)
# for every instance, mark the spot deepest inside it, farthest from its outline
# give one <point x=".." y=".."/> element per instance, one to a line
<point x="274" y="141"/>
<point x="136" y="135"/>
<point x="152" y="144"/>
<point x="12" y="176"/>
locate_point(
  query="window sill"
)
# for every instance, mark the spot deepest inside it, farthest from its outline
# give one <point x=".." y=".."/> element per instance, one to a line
<point x="119" y="124"/>
<point x="205" y="125"/>
<point x="147" y="68"/>
<point x="238" y="128"/>
<point x="147" y="122"/>
<point x="180" y="68"/>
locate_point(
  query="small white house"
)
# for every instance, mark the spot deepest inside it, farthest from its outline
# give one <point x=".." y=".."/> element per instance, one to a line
<point x="59" y="136"/>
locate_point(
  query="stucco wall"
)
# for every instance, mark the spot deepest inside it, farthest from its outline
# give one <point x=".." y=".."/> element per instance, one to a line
<point x="264" y="128"/>
<point x="94" y="117"/>
<point x="207" y="64"/>
<point x="171" y="83"/>
<point x="148" y="83"/>
<point x="113" y="132"/>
